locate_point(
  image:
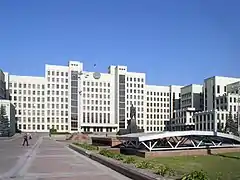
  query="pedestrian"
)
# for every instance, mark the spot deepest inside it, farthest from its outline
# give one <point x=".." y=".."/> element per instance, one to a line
<point x="25" y="139"/>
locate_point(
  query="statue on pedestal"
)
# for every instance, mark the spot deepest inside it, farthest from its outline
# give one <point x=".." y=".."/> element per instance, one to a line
<point x="132" y="126"/>
<point x="131" y="123"/>
<point x="132" y="112"/>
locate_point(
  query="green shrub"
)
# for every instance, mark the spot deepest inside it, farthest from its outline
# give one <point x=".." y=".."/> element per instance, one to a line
<point x="195" y="175"/>
<point x="87" y="146"/>
<point x="52" y="130"/>
<point x="144" y="165"/>
<point x="164" y="170"/>
<point x="106" y="153"/>
<point x="129" y="160"/>
<point x="112" y="155"/>
<point x="118" y="157"/>
<point x="219" y="176"/>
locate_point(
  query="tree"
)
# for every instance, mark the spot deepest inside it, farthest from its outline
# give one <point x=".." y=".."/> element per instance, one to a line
<point x="4" y="122"/>
<point x="231" y="125"/>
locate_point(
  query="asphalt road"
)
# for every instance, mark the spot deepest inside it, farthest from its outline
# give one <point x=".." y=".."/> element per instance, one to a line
<point x="46" y="159"/>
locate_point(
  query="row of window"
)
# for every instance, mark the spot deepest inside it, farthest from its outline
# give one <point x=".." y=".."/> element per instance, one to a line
<point x="135" y="103"/>
<point x="135" y="86"/>
<point x="187" y="95"/>
<point x="158" y="99"/>
<point x="152" y="105"/>
<point x="155" y="128"/>
<point x="57" y="93"/>
<point x="41" y="120"/>
<point x="157" y="93"/>
<point x="96" y="96"/>
<point x="96" y="117"/>
<point x="29" y="99"/>
<point x="157" y="116"/>
<point x="42" y="127"/>
<point x="58" y="80"/>
<point x="186" y="102"/>
<point x="30" y="112"/>
<point x="38" y="106"/>
<point x="57" y="73"/>
<point x="24" y="85"/>
<point x="135" y="79"/>
<point x="25" y="92"/>
<point x="57" y="99"/>
<point x="100" y="84"/>
<point x="154" y="122"/>
<point x="135" y="91"/>
<point x="96" y="108"/>
<point x="152" y="110"/>
<point x="92" y="90"/>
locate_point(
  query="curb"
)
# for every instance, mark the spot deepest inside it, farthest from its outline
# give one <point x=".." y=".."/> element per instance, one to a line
<point x="126" y="170"/>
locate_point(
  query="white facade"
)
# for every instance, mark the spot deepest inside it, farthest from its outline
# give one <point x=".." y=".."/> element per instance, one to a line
<point x="214" y="87"/>
<point x="219" y="98"/>
<point x="210" y="120"/>
<point x="157" y="107"/>
<point x="28" y="97"/>
<point x="98" y="106"/>
<point x="129" y="89"/>
<point x="70" y="99"/>
<point x="191" y="96"/>
<point x="183" y="120"/>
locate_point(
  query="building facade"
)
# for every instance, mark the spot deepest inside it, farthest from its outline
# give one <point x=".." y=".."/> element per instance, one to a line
<point x="183" y="119"/>
<point x="212" y="103"/>
<point x="70" y="99"/>
<point x="157" y="107"/>
<point x="214" y="87"/>
<point x="192" y="97"/>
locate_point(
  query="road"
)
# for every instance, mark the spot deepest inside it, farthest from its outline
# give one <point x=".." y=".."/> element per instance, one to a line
<point x="46" y="159"/>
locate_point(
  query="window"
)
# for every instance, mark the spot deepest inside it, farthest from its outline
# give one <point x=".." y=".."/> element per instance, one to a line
<point x="218" y="89"/>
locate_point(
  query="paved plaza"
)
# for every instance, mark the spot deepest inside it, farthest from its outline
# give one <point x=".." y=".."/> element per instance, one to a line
<point x="46" y="159"/>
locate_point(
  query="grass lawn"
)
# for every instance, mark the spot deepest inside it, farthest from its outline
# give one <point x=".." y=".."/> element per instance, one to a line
<point x="218" y="167"/>
<point x="226" y="164"/>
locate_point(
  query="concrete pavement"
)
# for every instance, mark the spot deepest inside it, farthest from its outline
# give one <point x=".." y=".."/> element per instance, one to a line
<point x="47" y="159"/>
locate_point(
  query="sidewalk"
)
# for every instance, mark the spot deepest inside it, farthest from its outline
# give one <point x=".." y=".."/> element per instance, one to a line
<point x="51" y="160"/>
<point x="11" y="151"/>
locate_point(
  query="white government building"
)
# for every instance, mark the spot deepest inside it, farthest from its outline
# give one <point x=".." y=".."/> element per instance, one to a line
<point x="211" y="106"/>
<point x="71" y="99"/>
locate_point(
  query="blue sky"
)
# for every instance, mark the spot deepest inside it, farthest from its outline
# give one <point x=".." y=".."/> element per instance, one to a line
<point x="174" y="42"/>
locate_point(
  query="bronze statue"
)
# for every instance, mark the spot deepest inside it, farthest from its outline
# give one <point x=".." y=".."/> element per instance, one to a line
<point x="132" y="112"/>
